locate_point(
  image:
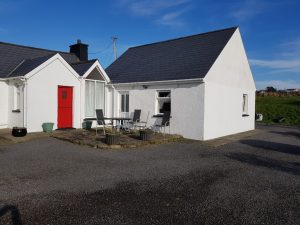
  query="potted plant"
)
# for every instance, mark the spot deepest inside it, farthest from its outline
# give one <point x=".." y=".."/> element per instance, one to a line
<point x="146" y="134"/>
<point x="113" y="138"/>
<point x="48" y="127"/>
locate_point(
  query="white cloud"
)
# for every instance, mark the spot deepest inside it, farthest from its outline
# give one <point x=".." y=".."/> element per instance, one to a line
<point x="148" y="7"/>
<point x="293" y="64"/>
<point x="291" y="48"/>
<point x="173" y="19"/>
<point x="248" y="9"/>
<point x="278" y="84"/>
<point x="287" y="61"/>
<point x="162" y="12"/>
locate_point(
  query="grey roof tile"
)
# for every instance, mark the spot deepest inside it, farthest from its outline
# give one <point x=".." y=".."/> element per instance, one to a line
<point x="183" y="58"/>
<point x="12" y="55"/>
<point x="28" y="65"/>
<point x="82" y="67"/>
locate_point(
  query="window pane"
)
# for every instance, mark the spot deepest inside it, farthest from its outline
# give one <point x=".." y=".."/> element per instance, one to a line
<point x="99" y="95"/>
<point x="89" y="98"/>
<point x="164" y="94"/>
<point x="127" y="103"/>
<point x="164" y="101"/>
<point x="245" y="103"/>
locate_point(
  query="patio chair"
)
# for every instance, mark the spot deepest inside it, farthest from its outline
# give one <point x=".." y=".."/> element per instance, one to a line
<point x="136" y="118"/>
<point x="100" y="120"/>
<point x="143" y="124"/>
<point x="165" y="122"/>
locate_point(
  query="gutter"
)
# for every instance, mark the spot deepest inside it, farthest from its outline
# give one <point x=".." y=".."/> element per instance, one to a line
<point x="183" y="81"/>
<point x="13" y="78"/>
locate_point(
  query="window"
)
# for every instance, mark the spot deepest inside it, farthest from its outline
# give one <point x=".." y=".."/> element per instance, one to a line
<point x="124" y="97"/>
<point x="163" y="101"/>
<point x="17" y="97"/>
<point x="94" y="97"/>
<point x="245" y="104"/>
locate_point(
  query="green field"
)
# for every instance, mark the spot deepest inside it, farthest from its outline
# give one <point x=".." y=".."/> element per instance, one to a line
<point x="273" y="107"/>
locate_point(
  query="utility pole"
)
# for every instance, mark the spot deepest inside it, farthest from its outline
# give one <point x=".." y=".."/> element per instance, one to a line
<point x="114" y="39"/>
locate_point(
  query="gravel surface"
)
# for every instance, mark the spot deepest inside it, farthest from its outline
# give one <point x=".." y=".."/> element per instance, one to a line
<point x="251" y="181"/>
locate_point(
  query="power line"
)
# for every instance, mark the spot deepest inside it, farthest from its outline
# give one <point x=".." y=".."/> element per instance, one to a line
<point x="98" y="52"/>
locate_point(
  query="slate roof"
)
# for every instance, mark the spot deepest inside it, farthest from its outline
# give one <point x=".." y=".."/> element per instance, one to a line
<point x="183" y="58"/>
<point x="82" y="67"/>
<point x="12" y="56"/>
<point x="28" y="65"/>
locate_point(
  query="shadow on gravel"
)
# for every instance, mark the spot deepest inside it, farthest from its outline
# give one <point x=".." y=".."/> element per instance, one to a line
<point x="288" y="133"/>
<point x="273" y="146"/>
<point x="291" y="168"/>
<point x="15" y="215"/>
<point x="175" y="201"/>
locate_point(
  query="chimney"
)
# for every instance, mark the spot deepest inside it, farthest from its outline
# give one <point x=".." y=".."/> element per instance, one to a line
<point x="80" y="49"/>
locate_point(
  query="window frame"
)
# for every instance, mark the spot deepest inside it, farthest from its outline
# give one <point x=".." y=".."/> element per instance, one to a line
<point x="157" y="106"/>
<point x="245" y="103"/>
<point x="126" y="102"/>
<point x="95" y="97"/>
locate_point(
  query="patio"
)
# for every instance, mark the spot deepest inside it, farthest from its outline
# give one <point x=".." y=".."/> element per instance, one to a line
<point x="127" y="139"/>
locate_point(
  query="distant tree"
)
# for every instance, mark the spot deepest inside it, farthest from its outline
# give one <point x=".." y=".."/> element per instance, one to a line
<point x="271" y="89"/>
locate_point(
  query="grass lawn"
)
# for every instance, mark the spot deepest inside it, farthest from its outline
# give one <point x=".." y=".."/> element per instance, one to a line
<point x="272" y="107"/>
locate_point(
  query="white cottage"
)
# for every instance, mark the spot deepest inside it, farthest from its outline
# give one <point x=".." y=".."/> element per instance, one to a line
<point x="204" y="80"/>
<point x="39" y="85"/>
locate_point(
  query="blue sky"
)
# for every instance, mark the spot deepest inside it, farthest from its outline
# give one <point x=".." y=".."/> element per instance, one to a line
<point x="270" y="29"/>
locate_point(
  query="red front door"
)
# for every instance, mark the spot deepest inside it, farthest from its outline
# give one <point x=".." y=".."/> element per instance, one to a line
<point x="65" y="107"/>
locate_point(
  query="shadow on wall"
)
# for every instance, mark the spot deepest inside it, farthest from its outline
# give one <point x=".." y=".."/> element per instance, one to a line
<point x="273" y="146"/>
<point x="14" y="214"/>
<point x="279" y="165"/>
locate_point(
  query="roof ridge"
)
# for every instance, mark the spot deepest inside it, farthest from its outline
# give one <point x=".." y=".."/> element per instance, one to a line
<point x="43" y="49"/>
<point x="193" y="35"/>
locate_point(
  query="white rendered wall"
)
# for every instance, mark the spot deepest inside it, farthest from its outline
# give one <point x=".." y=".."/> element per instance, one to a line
<point x="186" y="106"/>
<point x="42" y="104"/>
<point x="226" y="82"/>
<point x="3" y="104"/>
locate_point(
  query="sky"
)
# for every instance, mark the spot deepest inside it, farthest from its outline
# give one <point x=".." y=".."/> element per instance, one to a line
<point x="270" y="28"/>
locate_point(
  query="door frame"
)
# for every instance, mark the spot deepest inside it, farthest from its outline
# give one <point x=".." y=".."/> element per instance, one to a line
<point x="65" y="86"/>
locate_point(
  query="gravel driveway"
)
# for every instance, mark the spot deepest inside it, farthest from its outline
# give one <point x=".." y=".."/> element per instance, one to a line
<point x="251" y="181"/>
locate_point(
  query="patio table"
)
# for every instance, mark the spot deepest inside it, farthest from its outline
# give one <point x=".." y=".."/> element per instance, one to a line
<point x="119" y="120"/>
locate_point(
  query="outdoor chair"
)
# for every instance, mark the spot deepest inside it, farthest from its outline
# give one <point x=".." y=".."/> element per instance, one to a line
<point x="165" y="122"/>
<point x="142" y="124"/>
<point x="135" y="119"/>
<point x="100" y="120"/>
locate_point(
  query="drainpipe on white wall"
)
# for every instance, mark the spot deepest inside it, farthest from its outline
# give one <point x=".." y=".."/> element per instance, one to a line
<point x="113" y="101"/>
<point x="25" y="101"/>
<point x="80" y="100"/>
